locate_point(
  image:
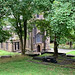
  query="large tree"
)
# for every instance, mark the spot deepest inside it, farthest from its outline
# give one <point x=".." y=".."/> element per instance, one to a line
<point x="21" y="12"/>
<point x="61" y="22"/>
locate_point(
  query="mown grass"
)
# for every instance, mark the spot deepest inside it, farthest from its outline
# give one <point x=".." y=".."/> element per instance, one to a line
<point x="46" y="54"/>
<point x="21" y="66"/>
<point x="2" y="53"/>
<point x="71" y="53"/>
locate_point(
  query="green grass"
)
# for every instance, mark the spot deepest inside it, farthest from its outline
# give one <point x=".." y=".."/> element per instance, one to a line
<point x="21" y="66"/>
<point x="71" y="53"/>
<point x="46" y="54"/>
<point x="2" y="52"/>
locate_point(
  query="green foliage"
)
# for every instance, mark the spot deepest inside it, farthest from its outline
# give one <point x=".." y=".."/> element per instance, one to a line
<point x="41" y="5"/>
<point x="3" y="10"/>
<point x="20" y="10"/>
<point x="61" y="21"/>
<point x="42" y="25"/>
<point x="4" y="34"/>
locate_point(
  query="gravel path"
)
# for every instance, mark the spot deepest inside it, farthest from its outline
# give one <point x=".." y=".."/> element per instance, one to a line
<point x="62" y="50"/>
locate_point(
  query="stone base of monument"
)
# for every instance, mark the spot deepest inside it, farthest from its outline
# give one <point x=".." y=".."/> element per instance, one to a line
<point x="50" y="59"/>
<point x="7" y="56"/>
<point x="46" y="59"/>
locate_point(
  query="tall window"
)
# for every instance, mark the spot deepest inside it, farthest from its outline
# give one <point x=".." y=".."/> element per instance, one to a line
<point x="38" y="38"/>
<point x="1" y="45"/>
<point x="34" y="40"/>
<point x="7" y="45"/>
<point x="16" y="45"/>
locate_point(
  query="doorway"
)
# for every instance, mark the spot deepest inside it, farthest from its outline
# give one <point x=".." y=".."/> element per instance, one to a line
<point x="38" y="48"/>
<point x="16" y="45"/>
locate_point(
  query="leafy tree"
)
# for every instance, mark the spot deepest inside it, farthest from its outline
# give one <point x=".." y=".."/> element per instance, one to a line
<point x="21" y="12"/>
<point x="61" y="22"/>
<point x="4" y="34"/>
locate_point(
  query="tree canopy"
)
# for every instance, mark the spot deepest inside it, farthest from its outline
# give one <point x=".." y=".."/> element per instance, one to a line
<point x="21" y="11"/>
<point x="4" y="34"/>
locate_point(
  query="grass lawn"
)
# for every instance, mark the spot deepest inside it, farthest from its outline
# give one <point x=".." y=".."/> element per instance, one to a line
<point x="46" y="54"/>
<point x="71" y="53"/>
<point x="21" y="66"/>
<point x="2" y="52"/>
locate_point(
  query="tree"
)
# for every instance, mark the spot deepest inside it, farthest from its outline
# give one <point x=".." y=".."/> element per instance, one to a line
<point x="4" y="34"/>
<point x="22" y="11"/>
<point x="61" y="22"/>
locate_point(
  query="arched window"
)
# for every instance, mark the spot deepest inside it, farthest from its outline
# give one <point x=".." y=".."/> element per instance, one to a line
<point x="38" y="38"/>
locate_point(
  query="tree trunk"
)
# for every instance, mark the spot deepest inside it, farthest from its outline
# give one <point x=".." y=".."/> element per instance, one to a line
<point x="21" y="39"/>
<point x="70" y="44"/>
<point x="44" y="46"/>
<point x="44" y="41"/>
<point x="20" y="34"/>
<point x="22" y="50"/>
<point x="32" y="40"/>
<point x="55" y="47"/>
<point x="25" y="36"/>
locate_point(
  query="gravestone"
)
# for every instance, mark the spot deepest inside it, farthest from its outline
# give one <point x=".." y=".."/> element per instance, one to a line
<point x="50" y="59"/>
